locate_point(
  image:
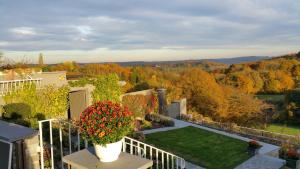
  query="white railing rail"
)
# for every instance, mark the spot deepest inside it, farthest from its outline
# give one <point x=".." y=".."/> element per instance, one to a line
<point x="12" y="85"/>
<point x="161" y="158"/>
<point x="69" y="141"/>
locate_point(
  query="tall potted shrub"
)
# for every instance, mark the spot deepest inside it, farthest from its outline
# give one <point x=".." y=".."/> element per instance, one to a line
<point x="105" y="124"/>
<point x="253" y="147"/>
<point x="290" y="154"/>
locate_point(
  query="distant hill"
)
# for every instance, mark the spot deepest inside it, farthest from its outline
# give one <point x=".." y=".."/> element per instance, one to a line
<point x="237" y="60"/>
<point x="228" y="61"/>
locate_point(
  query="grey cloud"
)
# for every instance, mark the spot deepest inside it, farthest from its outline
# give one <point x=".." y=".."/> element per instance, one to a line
<point x="146" y="24"/>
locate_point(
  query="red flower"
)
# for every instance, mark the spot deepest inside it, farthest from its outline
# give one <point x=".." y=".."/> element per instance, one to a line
<point x="103" y="122"/>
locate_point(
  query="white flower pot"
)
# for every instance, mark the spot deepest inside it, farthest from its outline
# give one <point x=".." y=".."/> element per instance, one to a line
<point x="109" y="152"/>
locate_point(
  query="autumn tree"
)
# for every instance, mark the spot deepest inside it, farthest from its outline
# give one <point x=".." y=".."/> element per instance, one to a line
<point x="69" y="66"/>
<point x="203" y="92"/>
<point x="244" y="108"/>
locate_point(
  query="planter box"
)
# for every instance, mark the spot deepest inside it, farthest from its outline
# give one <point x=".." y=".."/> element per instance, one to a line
<point x="252" y="151"/>
<point x="295" y="164"/>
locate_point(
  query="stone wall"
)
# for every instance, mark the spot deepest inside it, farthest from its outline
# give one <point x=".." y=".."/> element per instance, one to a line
<point x="52" y="78"/>
<point x="31" y="153"/>
<point x="142" y="92"/>
<point x="25" y="153"/>
<point x="176" y="108"/>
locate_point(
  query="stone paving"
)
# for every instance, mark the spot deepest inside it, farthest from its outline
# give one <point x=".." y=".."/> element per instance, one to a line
<point x="257" y="162"/>
<point x="262" y="162"/>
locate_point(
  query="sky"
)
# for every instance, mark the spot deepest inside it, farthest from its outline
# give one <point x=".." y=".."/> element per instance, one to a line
<point x="147" y="30"/>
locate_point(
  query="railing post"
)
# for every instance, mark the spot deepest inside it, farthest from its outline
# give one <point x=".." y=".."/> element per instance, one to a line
<point x="124" y="145"/>
<point x="41" y="145"/>
<point x="151" y="154"/>
<point x="167" y="161"/>
<point x="156" y="158"/>
<point x="51" y="144"/>
<point x="61" y="146"/>
<point x="138" y="149"/>
<point x="172" y="162"/>
<point x="70" y="139"/>
<point x="78" y="140"/>
<point x="131" y="146"/>
<point x="162" y="160"/>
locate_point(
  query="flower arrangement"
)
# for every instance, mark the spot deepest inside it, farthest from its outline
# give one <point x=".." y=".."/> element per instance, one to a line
<point x="293" y="154"/>
<point x="254" y="144"/>
<point x="105" y="122"/>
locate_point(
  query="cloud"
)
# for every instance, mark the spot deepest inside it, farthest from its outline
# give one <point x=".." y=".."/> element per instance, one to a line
<point x="87" y="25"/>
<point x="23" y="31"/>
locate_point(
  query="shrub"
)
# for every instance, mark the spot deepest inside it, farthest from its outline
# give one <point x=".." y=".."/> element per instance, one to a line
<point x="254" y="144"/>
<point x="17" y="110"/>
<point x="107" y="88"/>
<point x="31" y="104"/>
<point x="53" y="102"/>
<point x="105" y="122"/>
<point x="140" y="105"/>
<point x="146" y="125"/>
<point x="293" y="154"/>
<point x="288" y="152"/>
<point x="157" y="118"/>
<point x="138" y="135"/>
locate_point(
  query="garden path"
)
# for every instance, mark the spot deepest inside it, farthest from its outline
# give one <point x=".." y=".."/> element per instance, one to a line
<point x="262" y="162"/>
<point x="265" y="152"/>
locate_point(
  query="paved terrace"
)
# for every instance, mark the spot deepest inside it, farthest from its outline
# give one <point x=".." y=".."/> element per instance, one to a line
<point x="266" y="158"/>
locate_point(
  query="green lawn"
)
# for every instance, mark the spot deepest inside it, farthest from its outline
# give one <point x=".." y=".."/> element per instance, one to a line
<point x="285" y="129"/>
<point x="207" y="149"/>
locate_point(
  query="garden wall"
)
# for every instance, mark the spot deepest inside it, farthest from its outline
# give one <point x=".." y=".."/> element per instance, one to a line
<point x="25" y="145"/>
<point x="177" y="108"/>
<point x="52" y="78"/>
<point x="142" y="92"/>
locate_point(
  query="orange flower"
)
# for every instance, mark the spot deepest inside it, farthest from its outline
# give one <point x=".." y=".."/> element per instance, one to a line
<point x="101" y="134"/>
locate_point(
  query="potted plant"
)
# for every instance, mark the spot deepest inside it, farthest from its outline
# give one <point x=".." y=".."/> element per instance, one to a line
<point x="253" y="147"/>
<point x="105" y="124"/>
<point x="292" y="159"/>
<point x="290" y="154"/>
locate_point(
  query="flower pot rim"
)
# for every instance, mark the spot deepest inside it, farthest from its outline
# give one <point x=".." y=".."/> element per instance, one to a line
<point x="109" y="143"/>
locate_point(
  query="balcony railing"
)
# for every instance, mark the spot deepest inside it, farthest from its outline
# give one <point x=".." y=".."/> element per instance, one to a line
<point x="59" y="138"/>
<point x="12" y="85"/>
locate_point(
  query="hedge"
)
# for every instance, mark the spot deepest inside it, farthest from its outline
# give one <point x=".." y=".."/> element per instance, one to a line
<point x="29" y="104"/>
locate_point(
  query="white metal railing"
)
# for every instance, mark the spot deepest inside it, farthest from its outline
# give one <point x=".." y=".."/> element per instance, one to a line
<point x="69" y="140"/>
<point x="12" y="85"/>
<point x="161" y="158"/>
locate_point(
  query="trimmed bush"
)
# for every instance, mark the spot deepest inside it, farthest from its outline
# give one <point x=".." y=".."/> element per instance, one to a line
<point x="146" y="125"/>
<point x="157" y="118"/>
<point x="17" y="110"/>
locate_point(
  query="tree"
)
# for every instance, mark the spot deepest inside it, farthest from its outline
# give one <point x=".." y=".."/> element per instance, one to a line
<point x="69" y="66"/>
<point x="292" y="106"/>
<point x="204" y="94"/>
<point x="107" y="88"/>
<point x="244" y="108"/>
<point x="41" y="60"/>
